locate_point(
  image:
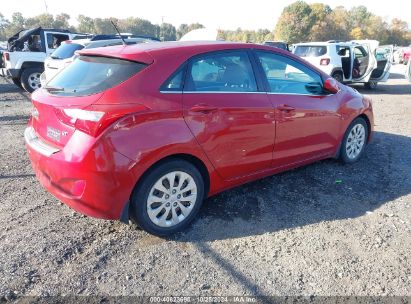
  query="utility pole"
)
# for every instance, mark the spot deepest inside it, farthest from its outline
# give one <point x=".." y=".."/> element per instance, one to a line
<point x="45" y="4"/>
<point x="162" y="19"/>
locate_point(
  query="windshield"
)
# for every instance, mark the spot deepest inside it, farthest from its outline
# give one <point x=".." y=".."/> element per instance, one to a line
<point x="310" y="50"/>
<point x="66" y="50"/>
<point x="91" y="74"/>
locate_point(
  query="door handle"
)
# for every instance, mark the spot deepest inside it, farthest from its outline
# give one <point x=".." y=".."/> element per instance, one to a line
<point x="203" y="108"/>
<point x="285" y="108"/>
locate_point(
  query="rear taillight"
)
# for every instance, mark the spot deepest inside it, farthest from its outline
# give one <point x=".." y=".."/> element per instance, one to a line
<point x="95" y="119"/>
<point x="325" y="61"/>
<point x="6" y="56"/>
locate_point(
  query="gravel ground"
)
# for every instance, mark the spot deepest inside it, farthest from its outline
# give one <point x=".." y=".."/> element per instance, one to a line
<point x="325" y="229"/>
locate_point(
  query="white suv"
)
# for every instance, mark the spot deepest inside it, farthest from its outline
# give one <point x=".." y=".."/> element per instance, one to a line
<point x="65" y="53"/>
<point x="23" y="61"/>
<point x="349" y="62"/>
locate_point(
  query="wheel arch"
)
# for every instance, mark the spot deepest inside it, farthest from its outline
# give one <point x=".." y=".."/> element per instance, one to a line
<point x="367" y="120"/>
<point x="32" y="64"/>
<point x="198" y="163"/>
<point x="194" y="160"/>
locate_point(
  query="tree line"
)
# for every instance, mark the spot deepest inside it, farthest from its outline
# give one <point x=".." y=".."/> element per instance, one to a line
<point x="299" y="22"/>
<point x="137" y="26"/>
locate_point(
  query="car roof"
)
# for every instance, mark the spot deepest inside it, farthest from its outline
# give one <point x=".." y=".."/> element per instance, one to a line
<point x="146" y="52"/>
<point x="320" y="43"/>
<point x="77" y="41"/>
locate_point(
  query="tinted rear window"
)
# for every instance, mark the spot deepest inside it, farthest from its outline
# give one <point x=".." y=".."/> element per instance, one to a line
<point x="310" y="50"/>
<point x="91" y="74"/>
<point x="66" y="50"/>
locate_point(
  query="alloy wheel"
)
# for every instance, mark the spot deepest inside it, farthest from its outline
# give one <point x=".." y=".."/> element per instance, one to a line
<point x="34" y="80"/>
<point x="355" y="141"/>
<point x="171" y="199"/>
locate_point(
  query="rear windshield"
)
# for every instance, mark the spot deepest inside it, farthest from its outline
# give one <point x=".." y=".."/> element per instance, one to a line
<point x="310" y="50"/>
<point x="92" y="74"/>
<point x="66" y="50"/>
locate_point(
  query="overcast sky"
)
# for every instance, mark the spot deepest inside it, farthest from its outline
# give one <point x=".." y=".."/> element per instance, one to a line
<point x="224" y="14"/>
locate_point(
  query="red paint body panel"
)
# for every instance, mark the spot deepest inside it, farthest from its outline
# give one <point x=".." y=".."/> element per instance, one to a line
<point x="309" y="131"/>
<point x="247" y="136"/>
<point x="238" y="136"/>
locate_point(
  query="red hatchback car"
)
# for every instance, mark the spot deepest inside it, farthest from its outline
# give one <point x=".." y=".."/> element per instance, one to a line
<point x="147" y="132"/>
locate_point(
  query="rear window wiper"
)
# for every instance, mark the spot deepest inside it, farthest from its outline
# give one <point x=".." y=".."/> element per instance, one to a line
<point x="55" y="57"/>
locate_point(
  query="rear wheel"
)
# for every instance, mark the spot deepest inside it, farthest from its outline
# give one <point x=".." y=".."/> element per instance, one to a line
<point x="17" y="82"/>
<point x="168" y="198"/>
<point x="338" y="76"/>
<point x="371" y="85"/>
<point x="354" y="141"/>
<point x="30" y="79"/>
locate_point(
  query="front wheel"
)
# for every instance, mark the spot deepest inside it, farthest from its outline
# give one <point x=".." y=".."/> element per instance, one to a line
<point x="30" y="79"/>
<point x="168" y="198"/>
<point x="354" y="141"/>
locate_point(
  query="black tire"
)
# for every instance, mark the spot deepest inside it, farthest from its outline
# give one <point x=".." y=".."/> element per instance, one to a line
<point x="138" y="206"/>
<point x="26" y="78"/>
<point x="371" y="85"/>
<point x="343" y="150"/>
<point x="338" y="76"/>
<point x="17" y="82"/>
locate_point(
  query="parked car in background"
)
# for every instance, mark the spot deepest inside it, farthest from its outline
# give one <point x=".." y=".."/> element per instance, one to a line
<point x="148" y="131"/>
<point x="406" y="54"/>
<point x="349" y="62"/>
<point x="279" y="44"/>
<point x="23" y="61"/>
<point x="65" y="53"/>
<point x="95" y="37"/>
<point x="397" y="55"/>
<point x="408" y="71"/>
<point x="3" y="47"/>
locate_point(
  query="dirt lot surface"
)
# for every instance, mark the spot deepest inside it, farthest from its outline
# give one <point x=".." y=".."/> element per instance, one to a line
<point x="325" y="229"/>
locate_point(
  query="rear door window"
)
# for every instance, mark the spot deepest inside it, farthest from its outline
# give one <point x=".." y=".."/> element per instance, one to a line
<point x="92" y="74"/>
<point x="221" y="72"/>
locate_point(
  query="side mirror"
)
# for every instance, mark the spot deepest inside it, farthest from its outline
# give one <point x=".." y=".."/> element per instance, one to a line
<point x="331" y="86"/>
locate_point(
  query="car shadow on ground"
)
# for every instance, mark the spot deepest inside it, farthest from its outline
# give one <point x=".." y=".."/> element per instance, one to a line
<point x="9" y="87"/>
<point x="401" y="88"/>
<point x="397" y="76"/>
<point x="324" y="191"/>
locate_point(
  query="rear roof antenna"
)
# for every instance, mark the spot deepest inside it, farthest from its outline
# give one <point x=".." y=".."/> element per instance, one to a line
<point x="121" y="37"/>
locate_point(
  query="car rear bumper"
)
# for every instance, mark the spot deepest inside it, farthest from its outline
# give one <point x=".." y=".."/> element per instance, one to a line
<point x="97" y="185"/>
<point x="10" y="73"/>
